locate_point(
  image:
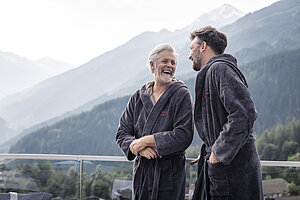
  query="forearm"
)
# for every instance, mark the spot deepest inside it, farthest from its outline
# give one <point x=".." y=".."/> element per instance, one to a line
<point x="124" y="139"/>
<point x="233" y="136"/>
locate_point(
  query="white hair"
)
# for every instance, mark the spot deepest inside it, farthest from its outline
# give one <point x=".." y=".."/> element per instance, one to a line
<point x="153" y="56"/>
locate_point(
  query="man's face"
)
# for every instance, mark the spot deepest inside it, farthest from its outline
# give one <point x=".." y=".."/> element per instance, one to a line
<point x="165" y="66"/>
<point x="195" y="54"/>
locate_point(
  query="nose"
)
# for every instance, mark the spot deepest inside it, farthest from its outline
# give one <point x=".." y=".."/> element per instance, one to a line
<point x="191" y="58"/>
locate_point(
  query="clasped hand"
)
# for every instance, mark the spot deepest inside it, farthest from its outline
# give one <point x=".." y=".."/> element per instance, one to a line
<point x="144" y="146"/>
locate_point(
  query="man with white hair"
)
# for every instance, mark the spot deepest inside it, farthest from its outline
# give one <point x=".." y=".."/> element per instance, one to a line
<point x="156" y="128"/>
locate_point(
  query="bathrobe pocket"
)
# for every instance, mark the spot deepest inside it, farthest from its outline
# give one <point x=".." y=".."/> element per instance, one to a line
<point x="218" y="177"/>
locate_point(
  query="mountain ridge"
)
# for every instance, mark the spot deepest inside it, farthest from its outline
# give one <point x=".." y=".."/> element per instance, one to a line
<point x="17" y="73"/>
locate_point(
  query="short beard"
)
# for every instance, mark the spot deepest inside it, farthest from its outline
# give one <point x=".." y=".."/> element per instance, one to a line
<point x="197" y="61"/>
<point x="196" y="65"/>
<point x="166" y="81"/>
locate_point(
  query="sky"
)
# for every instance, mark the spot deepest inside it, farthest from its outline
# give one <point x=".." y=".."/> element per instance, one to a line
<point x="76" y="31"/>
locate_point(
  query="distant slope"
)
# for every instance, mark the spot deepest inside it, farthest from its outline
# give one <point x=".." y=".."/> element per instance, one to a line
<point x="5" y="131"/>
<point x="18" y="73"/>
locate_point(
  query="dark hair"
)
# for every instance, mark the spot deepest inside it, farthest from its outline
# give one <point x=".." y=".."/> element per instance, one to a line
<point x="213" y="38"/>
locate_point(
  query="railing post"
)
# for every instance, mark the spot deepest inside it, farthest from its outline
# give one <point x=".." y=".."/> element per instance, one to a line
<point x="80" y="178"/>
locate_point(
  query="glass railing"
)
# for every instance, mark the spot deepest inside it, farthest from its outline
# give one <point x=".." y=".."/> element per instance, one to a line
<point x="109" y="177"/>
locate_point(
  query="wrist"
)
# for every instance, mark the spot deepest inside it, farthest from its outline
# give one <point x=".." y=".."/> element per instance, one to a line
<point x="149" y="140"/>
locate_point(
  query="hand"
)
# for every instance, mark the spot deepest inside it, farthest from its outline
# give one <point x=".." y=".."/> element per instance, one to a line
<point x="148" y="153"/>
<point x="136" y="146"/>
<point x="213" y="158"/>
<point x="139" y="144"/>
<point x="133" y="148"/>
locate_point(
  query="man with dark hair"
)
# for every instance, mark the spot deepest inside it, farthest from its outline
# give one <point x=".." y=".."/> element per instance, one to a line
<point x="224" y="114"/>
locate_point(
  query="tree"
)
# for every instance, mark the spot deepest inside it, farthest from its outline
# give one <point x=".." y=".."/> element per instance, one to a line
<point x="295" y="157"/>
<point x="293" y="189"/>
<point x="42" y="171"/>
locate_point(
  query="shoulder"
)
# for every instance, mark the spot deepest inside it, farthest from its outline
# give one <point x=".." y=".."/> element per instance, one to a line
<point x="218" y="67"/>
<point x="182" y="88"/>
<point x="182" y="93"/>
<point x="223" y="64"/>
<point x="222" y="70"/>
<point x="136" y="95"/>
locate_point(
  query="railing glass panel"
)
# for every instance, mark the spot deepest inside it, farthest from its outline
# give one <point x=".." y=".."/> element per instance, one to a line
<point x="107" y="180"/>
<point x="109" y="177"/>
<point x="58" y="177"/>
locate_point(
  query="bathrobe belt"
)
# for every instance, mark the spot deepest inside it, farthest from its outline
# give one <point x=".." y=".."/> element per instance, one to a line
<point x="157" y="172"/>
<point x="201" y="191"/>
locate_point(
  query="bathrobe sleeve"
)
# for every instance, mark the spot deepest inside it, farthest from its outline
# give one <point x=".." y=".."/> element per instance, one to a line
<point x="181" y="136"/>
<point x="241" y="113"/>
<point x="125" y="133"/>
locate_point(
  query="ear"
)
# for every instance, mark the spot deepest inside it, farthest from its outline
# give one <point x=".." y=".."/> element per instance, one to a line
<point x="152" y="65"/>
<point x="203" y="46"/>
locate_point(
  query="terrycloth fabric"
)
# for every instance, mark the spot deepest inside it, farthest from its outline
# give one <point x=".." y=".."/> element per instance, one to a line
<point x="170" y="120"/>
<point x="224" y="115"/>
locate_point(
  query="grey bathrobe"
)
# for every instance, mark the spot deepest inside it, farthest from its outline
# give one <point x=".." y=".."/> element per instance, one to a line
<point x="170" y="120"/>
<point x="224" y="115"/>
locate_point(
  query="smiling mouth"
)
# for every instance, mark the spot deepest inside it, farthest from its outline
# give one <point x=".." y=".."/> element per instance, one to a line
<point x="167" y="71"/>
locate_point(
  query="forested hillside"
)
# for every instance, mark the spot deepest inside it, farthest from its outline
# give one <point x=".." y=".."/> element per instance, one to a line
<point x="274" y="84"/>
<point x="90" y="132"/>
<point x="281" y="142"/>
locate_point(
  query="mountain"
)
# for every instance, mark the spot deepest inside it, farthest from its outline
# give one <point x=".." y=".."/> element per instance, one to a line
<point x="222" y="16"/>
<point x="277" y="23"/>
<point x="112" y="74"/>
<point x="273" y="82"/>
<point x="18" y="73"/>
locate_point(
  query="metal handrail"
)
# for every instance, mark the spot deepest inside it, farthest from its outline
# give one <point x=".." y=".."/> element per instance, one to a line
<point x="118" y="159"/>
<point x="61" y="157"/>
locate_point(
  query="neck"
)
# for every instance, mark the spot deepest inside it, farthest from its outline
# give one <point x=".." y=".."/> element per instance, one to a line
<point x="208" y="57"/>
<point x="159" y="87"/>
